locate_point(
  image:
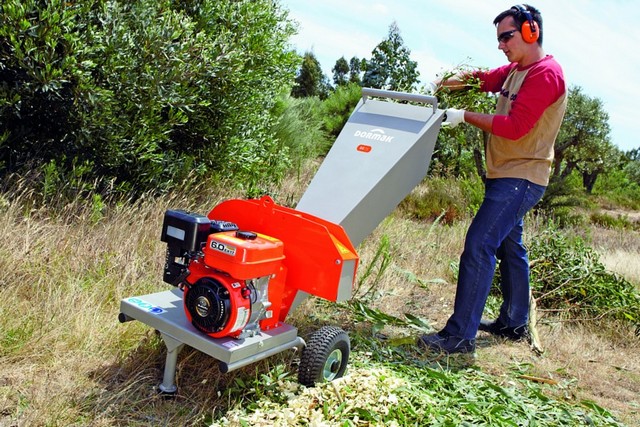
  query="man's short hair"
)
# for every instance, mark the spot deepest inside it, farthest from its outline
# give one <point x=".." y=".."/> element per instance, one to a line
<point x="520" y="17"/>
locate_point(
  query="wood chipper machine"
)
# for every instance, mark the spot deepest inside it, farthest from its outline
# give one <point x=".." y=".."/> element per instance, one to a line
<point x="241" y="269"/>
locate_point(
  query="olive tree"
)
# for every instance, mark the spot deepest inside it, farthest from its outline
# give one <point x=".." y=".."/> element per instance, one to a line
<point x="583" y="143"/>
<point x="140" y="95"/>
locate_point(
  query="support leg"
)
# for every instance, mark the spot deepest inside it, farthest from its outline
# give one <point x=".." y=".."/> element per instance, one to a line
<point x="174" y="347"/>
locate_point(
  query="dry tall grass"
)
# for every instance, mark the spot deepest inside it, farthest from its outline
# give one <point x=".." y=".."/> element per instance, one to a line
<point x="619" y="251"/>
<point x="65" y="359"/>
<point x="64" y="356"/>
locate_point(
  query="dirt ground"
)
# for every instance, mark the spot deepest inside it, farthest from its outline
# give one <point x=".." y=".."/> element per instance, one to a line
<point x="591" y="362"/>
<point x="582" y="366"/>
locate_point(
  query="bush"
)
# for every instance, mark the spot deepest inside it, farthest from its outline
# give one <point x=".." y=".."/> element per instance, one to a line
<point x="620" y="222"/>
<point x="338" y="107"/>
<point x="145" y="93"/>
<point x="620" y="186"/>
<point x="472" y="189"/>
<point x="448" y="200"/>
<point x="300" y="129"/>
<point x="568" y="277"/>
<point x="562" y="196"/>
<point x="41" y="69"/>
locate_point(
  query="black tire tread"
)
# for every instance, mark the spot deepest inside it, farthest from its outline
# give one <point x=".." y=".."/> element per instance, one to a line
<point x="315" y="354"/>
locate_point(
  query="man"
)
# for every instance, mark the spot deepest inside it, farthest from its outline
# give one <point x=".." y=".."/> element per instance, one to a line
<point x="531" y="104"/>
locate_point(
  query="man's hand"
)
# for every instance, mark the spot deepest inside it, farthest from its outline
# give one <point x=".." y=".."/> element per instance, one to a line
<point x="431" y="88"/>
<point x="453" y="117"/>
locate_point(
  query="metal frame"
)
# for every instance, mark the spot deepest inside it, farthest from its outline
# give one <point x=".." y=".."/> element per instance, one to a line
<point x="164" y="312"/>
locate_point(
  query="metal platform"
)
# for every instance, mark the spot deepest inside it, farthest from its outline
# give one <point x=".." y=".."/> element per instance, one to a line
<point x="164" y="312"/>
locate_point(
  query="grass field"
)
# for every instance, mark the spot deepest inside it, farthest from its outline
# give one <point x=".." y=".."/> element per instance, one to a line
<point x="65" y="359"/>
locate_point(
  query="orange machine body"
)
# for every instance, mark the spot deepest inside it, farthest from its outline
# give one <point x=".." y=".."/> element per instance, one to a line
<point x="243" y="258"/>
<point x="240" y="304"/>
<point x="315" y="250"/>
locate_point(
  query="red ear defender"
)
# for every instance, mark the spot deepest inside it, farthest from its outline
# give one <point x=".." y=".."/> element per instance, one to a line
<point x="530" y="32"/>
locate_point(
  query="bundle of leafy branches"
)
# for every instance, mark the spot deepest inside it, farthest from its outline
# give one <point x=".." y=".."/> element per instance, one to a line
<point x="569" y="280"/>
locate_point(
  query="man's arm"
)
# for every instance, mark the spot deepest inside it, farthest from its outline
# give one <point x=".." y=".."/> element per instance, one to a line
<point x="491" y="82"/>
<point x="480" y="120"/>
<point x="459" y="82"/>
<point x="453" y="83"/>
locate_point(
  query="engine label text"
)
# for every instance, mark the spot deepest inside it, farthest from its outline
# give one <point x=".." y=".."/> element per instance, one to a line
<point x="223" y="247"/>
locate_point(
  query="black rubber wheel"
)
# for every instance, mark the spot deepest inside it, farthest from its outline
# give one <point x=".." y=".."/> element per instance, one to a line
<point x="325" y="356"/>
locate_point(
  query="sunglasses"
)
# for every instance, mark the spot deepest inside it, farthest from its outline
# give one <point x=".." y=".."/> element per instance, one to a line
<point x="506" y="36"/>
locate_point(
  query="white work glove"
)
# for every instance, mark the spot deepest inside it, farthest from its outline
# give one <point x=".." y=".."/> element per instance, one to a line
<point x="453" y="117"/>
<point x="430" y="88"/>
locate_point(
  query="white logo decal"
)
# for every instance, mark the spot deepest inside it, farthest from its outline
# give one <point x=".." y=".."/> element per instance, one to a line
<point x="375" y="135"/>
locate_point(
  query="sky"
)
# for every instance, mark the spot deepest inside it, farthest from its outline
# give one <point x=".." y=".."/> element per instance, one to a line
<point x="596" y="42"/>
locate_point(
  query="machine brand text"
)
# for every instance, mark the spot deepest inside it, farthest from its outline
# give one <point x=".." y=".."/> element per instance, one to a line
<point x="374" y="135"/>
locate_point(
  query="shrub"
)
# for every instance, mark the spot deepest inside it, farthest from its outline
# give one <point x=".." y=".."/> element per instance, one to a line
<point x="146" y="93"/>
<point x="299" y="128"/>
<point x="41" y="70"/>
<point x="568" y="278"/>
<point x="567" y="217"/>
<point x="562" y="196"/>
<point x="472" y="189"/>
<point x="443" y="198"/>
<point x="338" y="107"/>
<point x="620" y="222"/>
<point x="620" y="186"/>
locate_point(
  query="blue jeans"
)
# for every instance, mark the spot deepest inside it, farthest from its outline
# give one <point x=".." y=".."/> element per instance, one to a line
<point x="495" y="232"/>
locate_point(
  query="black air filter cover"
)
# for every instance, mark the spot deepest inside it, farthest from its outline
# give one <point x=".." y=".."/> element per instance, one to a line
<point x="185" y="230"/>
<point x="218" y="226"/>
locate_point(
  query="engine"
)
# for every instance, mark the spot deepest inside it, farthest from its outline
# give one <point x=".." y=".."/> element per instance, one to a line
<point x="232" y="279"/>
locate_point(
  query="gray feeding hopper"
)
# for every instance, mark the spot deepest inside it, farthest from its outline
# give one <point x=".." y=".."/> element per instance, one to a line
<point x="382" y="153"/>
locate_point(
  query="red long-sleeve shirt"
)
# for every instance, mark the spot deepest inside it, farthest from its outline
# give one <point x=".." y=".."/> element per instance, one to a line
<point x="530" y="108"/>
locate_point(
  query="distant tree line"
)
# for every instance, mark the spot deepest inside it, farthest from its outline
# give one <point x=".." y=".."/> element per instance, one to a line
<point x="583" y="149"/>
<point x="390" y="67"/>
<point x="125" y="97"/>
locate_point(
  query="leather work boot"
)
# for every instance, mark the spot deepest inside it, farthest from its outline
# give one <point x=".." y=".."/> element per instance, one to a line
<point x="497" y="328"/>
<point x="443" y="342"/>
